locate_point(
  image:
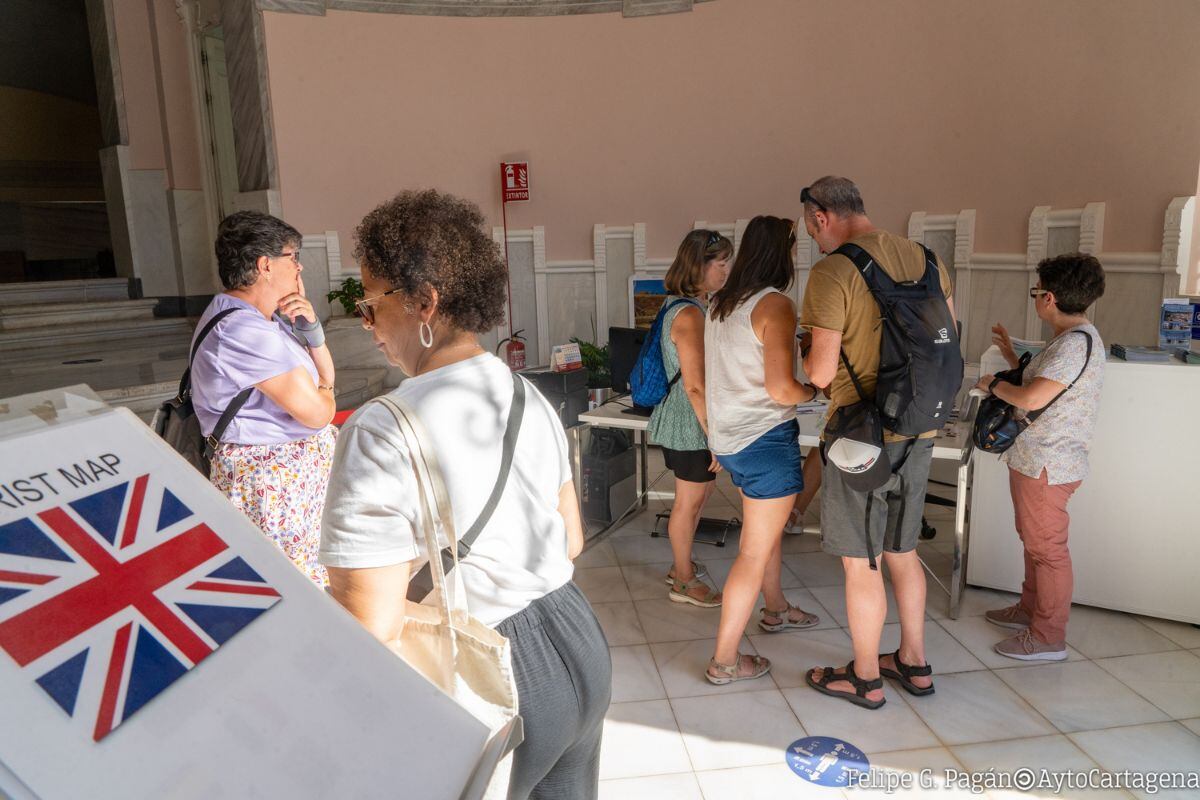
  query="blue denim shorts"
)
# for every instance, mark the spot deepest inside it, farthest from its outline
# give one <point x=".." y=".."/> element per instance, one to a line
<point x="770" y="466"/>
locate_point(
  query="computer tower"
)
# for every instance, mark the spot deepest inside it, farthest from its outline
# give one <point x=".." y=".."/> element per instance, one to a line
<point x="566" y="391"/>
<point x="609" y="484"/>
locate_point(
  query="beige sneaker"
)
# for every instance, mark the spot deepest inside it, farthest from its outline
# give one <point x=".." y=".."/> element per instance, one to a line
<point x="1026" y="647"/>
<point x="1011" y="617"/>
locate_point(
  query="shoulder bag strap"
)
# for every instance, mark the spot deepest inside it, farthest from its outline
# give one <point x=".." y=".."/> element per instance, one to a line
<point x="185" y="383"/>
<point x="421" y="584"/>
<point x="235" y="405"/>
<point x="1033" y="415"/>
<point x="853" y="377"/>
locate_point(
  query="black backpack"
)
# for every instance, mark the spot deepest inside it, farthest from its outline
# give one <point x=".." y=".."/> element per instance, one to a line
<point x="176" y="420"/>
<point x="920" y="363"/>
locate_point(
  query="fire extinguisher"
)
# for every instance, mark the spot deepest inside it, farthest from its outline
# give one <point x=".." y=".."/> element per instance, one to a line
<point x="514" y="351"/>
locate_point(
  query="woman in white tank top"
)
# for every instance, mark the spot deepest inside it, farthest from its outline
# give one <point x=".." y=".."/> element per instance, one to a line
<point x="751" y="397"/>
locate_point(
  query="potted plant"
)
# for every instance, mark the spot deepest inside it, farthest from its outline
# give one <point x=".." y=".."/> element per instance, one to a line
<point x="348" y="294"/>
<point x="596" y="362"/>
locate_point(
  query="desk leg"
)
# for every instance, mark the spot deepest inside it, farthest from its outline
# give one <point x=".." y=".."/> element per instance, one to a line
<point x="961" y="517"/>
<point x="644" y="481"/>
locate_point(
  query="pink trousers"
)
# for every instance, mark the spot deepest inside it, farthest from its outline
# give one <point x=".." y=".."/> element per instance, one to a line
<point x="1042" y="522"/>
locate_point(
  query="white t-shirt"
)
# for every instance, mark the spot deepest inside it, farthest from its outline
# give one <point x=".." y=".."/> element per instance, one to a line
<point x="372" y="507"/>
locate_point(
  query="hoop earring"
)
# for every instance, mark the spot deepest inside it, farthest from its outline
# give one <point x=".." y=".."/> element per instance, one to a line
<point x="426" y="334"/>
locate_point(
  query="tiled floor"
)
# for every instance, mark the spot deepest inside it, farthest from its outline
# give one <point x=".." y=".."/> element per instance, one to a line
<point x="1127" y="698"/>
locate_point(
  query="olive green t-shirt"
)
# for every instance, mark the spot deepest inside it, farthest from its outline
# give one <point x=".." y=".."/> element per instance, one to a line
<point x="837" y="299"/>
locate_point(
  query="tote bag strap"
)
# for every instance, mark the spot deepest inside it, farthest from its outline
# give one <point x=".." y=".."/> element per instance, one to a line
<point x="430" y="485"/>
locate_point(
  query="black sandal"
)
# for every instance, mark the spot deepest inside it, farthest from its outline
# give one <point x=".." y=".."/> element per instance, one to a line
<point x="904" y="673"/>
<point x="861" y="687"/>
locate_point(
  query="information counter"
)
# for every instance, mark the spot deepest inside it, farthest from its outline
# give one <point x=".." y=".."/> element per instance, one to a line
<point x="1135" y="521"/>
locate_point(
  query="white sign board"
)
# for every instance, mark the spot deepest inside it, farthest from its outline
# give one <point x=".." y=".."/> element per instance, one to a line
<point x="153" y="643"/>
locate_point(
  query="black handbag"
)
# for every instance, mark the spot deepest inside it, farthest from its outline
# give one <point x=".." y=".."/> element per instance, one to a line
<point x="996" y="424"/>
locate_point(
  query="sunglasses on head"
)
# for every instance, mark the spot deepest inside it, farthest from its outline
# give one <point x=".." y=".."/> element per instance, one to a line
<point x="806" y="196"/>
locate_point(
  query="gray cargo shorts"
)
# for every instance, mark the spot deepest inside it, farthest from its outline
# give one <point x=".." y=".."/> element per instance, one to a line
<point x="891" y="514"/>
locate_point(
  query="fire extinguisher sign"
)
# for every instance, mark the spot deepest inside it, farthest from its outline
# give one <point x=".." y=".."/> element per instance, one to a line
<point x="514" y="181"/>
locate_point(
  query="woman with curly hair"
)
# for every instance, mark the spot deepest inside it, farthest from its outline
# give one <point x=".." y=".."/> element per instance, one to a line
<point x="262" y="384"/>
<point x="433" y="282"/>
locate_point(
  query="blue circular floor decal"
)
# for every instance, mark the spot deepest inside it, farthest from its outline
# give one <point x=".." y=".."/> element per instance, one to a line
<point x="825" y="761"/>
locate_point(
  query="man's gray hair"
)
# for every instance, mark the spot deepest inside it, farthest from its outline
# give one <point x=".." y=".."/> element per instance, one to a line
<point x="836" y="195"/>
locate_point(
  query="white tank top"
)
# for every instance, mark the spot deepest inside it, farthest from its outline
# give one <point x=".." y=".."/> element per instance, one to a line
<point x="735" y="393"/>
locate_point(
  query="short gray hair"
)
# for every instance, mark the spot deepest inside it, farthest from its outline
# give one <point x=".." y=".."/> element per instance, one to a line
<point x="833" y="194"/>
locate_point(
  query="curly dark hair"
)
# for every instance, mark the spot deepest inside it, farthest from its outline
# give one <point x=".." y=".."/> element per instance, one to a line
<point x="1076" y="279"/>
<point x="426" y="238"/>
<point x="245" y="236"/>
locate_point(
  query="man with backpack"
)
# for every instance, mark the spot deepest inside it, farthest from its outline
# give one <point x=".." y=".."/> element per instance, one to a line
<point x="885" y="343"/>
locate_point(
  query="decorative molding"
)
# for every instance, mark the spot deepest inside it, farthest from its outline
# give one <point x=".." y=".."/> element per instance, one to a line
<point x="739" y="230"/>
<point x="964" y="238"/>
<point x="1177" y="247"/>
<point x="1035" y="251"/>
<point x="600" y="270"/>
<point x="473" y="8"/>
<point x="1091" y="228"/>
<point x="916" y="226"/>
<point x="639" y="245"/>
<point x="541" y="297"/>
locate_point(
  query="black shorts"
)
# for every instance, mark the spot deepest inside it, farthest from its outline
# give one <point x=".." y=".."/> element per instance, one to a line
<point x="689" y="465"/>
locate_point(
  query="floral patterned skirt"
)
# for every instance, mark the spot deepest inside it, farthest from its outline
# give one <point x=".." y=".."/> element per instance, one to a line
<point x="281" y="488"/>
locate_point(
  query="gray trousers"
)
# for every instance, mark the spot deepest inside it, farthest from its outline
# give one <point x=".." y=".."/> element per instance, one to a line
<point x="564" y="684"/>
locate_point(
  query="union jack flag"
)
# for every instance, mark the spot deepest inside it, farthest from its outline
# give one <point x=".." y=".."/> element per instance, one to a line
<point x="109" y="599"/>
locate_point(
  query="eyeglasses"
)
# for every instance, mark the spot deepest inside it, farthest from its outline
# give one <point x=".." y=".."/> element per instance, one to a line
<point x="294" y="256"/>
<point x="713" y="238"/>
<point x="1035" y="291"/>
<point x="366" y="306"/>
<point x="807" y="197"/>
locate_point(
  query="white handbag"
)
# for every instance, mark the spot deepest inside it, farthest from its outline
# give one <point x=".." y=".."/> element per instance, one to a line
<point x="466" y="659"/>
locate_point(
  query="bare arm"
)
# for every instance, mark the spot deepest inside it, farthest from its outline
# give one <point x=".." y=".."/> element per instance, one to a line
<point x="1037" y="394"/>
<point x="822" y="362"/>
<point x="774" y="323"/>
<point x="568" y="508"/>
<point x="687" y="333"/>
<point x="296" y="394"/>
<point x="375" y="596"/>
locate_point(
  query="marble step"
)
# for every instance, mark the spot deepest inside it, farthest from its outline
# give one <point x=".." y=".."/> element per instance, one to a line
<point x="78" y="291"/>
<point x="42" y="315"/>
<point x="58" y="336"/>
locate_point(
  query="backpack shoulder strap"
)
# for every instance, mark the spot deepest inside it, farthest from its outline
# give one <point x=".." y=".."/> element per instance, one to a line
<point x="185" y="385"/>
<point x="185" y="382"/>
<point x="875" y="278"/>
<point x="668" y="307"/>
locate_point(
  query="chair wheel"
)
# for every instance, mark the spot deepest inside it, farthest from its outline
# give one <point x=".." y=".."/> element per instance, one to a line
<point x="927" y="530"/>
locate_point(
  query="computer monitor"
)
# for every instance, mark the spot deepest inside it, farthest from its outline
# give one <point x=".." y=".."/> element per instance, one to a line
<point x="624" y="344"/>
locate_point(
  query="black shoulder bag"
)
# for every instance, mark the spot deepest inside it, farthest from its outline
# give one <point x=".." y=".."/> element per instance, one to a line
<point x="996" y="423"/>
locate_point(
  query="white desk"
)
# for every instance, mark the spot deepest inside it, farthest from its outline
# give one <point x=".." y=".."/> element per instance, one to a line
<point x="1135" y="534"/>
<point x="956" y="446"/>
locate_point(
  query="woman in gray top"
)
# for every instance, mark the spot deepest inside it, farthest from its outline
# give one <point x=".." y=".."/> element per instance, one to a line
<point x="680" y="423"/>
<point x="1048" y="460"/>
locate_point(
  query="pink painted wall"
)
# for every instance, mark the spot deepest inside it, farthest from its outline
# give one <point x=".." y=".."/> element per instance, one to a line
<point x="158" y="91"/>
<point x="727" y="111"/>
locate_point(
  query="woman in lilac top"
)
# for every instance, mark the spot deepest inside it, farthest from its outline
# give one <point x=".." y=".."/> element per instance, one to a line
<point x="273" y="458"/>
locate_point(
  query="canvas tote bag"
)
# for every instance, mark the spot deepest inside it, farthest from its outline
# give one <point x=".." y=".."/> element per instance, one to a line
<point x="466" y="659"/>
